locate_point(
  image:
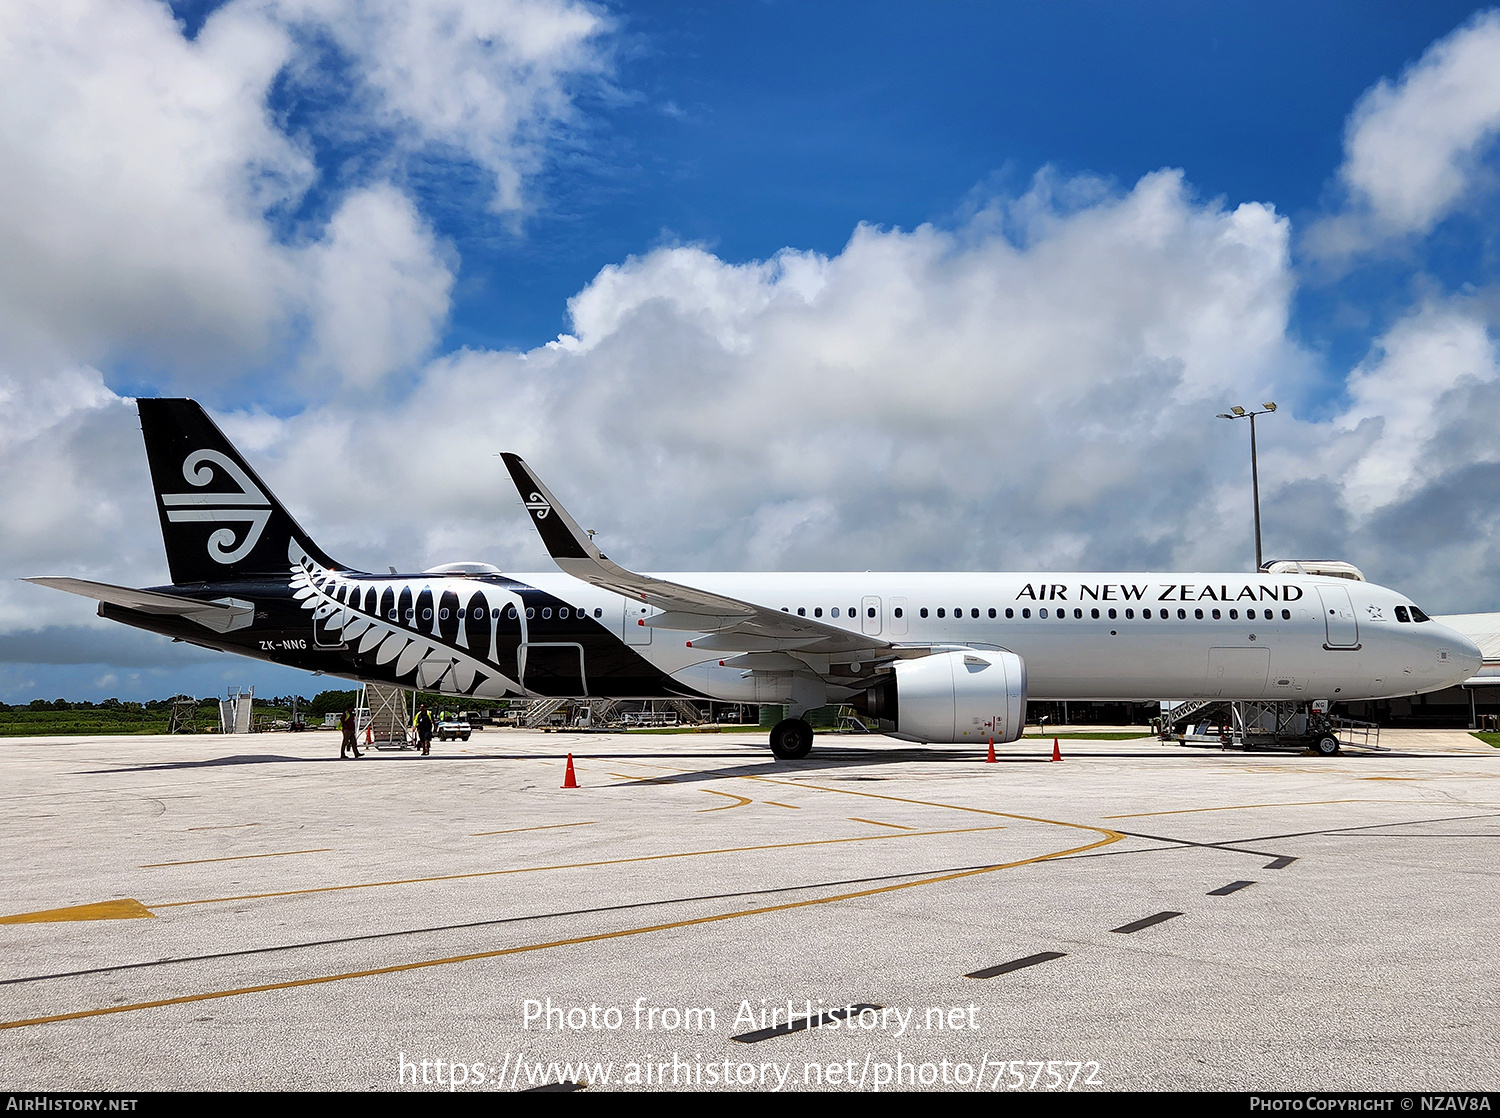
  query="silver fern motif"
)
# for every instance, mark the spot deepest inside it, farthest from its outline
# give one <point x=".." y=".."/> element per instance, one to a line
<point x="431" y="662"/>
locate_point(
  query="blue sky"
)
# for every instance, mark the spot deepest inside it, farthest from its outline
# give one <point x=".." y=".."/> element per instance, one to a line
<point x="752" y="127"/>
<point x="954" y="286"/>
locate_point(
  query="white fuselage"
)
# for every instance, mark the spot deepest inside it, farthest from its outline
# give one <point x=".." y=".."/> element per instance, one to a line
<point x="1090" y="636"/>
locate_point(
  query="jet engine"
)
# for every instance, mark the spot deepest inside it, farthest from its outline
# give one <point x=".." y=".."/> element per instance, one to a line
<point x="968" y="696"/>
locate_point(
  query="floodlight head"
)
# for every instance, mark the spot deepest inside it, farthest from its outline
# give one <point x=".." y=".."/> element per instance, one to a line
<point x="1224" y="415"/>
<point x="1269" y="405"/>
<point x="1238" y="411"/>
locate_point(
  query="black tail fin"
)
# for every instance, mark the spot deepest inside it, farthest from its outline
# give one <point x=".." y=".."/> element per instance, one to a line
<point x="218" y="518"/>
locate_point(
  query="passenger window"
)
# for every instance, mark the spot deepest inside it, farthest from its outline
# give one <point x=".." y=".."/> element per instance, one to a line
<point x="992" y="612"/>
<point x="443" y="615"/>
<point x="1025" y="613"/>
<point x="942" y="612"/>
<point x="898" y="611"/>
<point x="511" y="613"/>
<point x="1112" y="614"/>
<point x="547" y="614"/>
<point x="563" y="612"/>
<point x="1146" y="613"/>
<point x="801" y="612"/>
<point x="410" y="613"/>
<point x="1286" y="615"/>
<point x="391" y="616"/>
<point x="1094" y="613"/>
<point x="1234" y="615"/>
<point x="975" y="613"/>
<point x="818" y="611"/>
<point x="959" y="612"/>
<point x="1130" y="614"/>
<point x="1217" y="615"/>
<point x="1041" y="613"/>
<point x="1402" y="615"/>
<point x="853" y="612"/>
<point x="1078" y="614"/>
<point x="1198" y="614"/>
<point x="924" y="611"/>
<point x="834" y="612"/>
<point x="530" y="612"/>
<point x="871" y="611"/>
<point x="598" y="612"/>
<point x="1009" y="612"/>
<point x="1182" y="615"/>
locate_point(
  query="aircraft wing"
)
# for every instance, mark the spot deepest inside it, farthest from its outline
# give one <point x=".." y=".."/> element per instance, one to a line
<point x="732" y="625"/>
<point x="222" y="615"/>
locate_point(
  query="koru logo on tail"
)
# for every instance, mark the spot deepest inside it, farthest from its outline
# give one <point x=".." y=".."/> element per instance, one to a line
<point x="249" y="506"/>
<point x="537" y="504"/>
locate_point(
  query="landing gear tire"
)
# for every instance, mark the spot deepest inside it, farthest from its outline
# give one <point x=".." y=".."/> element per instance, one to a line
<point x="1327" y="746"/>
<point x="791" y="739"/>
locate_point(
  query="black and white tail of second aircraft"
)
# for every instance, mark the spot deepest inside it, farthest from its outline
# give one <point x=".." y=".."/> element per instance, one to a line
<point x="935" y="657"/>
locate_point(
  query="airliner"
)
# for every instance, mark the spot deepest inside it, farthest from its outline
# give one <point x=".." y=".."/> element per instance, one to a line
<point x="933" y="657"/>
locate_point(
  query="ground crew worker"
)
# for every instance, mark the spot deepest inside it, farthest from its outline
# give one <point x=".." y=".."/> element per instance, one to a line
<point x="424" y="731"/>
<point x="346" y="726"/>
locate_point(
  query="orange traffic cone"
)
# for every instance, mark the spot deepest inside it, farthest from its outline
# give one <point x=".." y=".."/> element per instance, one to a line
<point x="990" y="760"/>
<point x="569" y="780"/>
<point x="1056" y="753"/>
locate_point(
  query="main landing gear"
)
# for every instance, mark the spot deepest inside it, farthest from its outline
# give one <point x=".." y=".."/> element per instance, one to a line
<point x="791" y="739"/>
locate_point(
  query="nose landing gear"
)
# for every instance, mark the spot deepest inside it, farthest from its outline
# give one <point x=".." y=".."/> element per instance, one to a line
<point x="1326" y="746"/>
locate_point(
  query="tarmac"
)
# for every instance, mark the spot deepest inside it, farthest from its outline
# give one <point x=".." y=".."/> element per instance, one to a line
<point x="253" y="913"/>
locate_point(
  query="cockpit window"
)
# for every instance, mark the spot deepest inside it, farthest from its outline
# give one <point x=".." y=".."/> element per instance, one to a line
<point x="1418" y="615"/>
<point x="1401" y="614"/>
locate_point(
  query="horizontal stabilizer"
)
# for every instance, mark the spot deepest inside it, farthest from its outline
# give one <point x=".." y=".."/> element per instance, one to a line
<point x="222" y="615"/>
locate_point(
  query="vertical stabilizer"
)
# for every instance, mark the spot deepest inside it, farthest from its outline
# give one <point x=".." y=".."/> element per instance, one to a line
<point x="218" y="519"/>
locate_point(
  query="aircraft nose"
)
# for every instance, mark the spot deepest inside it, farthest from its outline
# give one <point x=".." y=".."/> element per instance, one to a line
<point x="1465" y="654"/>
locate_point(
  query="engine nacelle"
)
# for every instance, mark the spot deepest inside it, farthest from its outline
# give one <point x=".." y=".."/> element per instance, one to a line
<point x="968" y="696"/>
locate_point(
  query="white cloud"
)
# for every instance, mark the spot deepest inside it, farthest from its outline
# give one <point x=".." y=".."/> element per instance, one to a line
<point x="378" y="289"/>
<point x="142" y="174"/>
<point x="135" y="168"/>
<point x="491" y="79"/>
<point x="923" y="398"/>
<point x="1412" y="148"/>
<point x="1399" y="403"/>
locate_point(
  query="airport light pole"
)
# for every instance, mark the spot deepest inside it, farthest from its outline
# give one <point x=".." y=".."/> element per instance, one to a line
<point x="1241" y="413"/>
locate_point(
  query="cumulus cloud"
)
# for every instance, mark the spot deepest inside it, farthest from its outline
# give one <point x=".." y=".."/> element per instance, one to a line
<point x="1413" y="148"/>
<point x="378" y="287"/>
<point x="924" y="398"/>
<point x="492" y="79"/>
<point x="150" y="189"/>
<point x="136" y="168"/>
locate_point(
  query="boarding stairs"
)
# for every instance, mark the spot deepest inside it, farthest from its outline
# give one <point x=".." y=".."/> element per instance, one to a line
<point x="235" y="712"/>
<point x="1183" y="711"/>
<point x="387" y="717"/>
<point x="687" y="711"/>
<point x="540" y="710"/>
